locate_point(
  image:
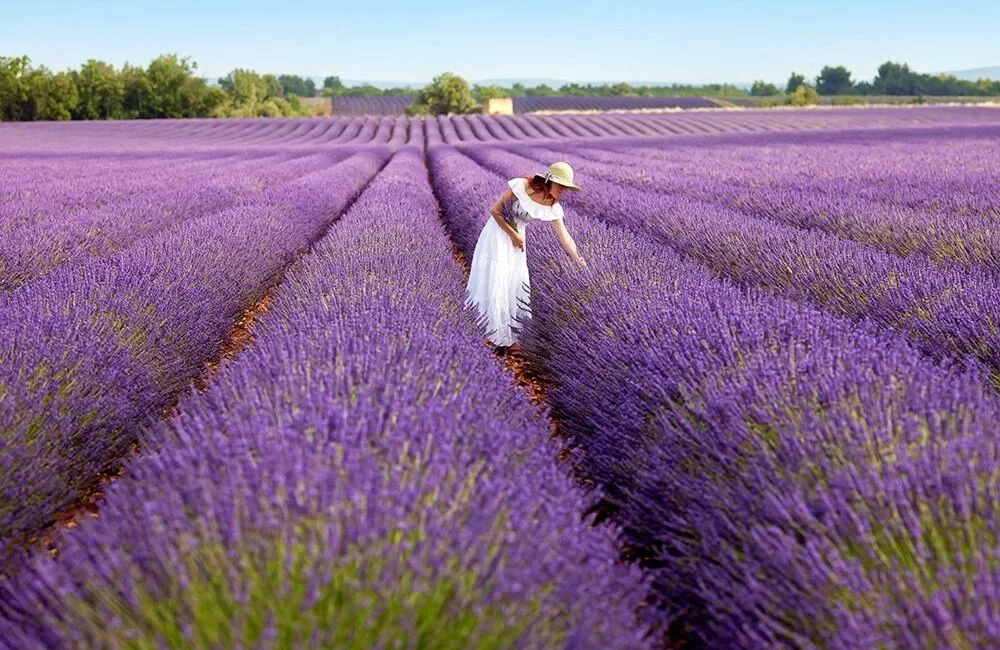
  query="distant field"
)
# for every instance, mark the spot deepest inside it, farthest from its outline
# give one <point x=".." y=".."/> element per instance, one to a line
<point x="379" y="106"/>
<point x="389" y="106"/>
<point x="780" y="366"/>
<point x="832" y="100"/>
<point x="399" y="130"/>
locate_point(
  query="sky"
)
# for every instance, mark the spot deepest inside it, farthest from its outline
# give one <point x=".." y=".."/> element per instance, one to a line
<point x="584" y="40"/>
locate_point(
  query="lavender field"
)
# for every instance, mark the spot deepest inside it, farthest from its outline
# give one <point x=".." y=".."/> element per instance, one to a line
<point x="766" y="415"/>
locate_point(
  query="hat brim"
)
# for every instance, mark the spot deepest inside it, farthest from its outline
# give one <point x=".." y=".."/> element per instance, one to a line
<point x="568" y="186"/>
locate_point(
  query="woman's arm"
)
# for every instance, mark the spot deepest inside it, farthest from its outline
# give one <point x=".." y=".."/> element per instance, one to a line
<point x="497" y="212"/>
<point x="567" y="242"/>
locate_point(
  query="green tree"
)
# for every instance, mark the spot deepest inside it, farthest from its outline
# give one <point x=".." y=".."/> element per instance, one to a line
<point x="296" y="85"/>
<point x="364" y="90"/>
<point x="100" y="91"/>
<point x="803" y="96"/>
<point x="541" y="90"/>
<point x="14" y="87"/>
<point x="249" y="94"/>
<point x="137" y="92"/>
<point x="484" y="93"/>
<point x="763" y="89"/>
<point x="834" y="81"/>
<point x="272" y="86"/>
<point x="54" y="96"/>
<point x="446" y="93"/>
<point x="794" y="81"/>
<point x="174" y="90"/>
<point x="333" y="83"/>
<point x="620" y="90"/>
<point x="896" y="79"/>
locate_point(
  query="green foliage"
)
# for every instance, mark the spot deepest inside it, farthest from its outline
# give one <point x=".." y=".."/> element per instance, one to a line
<point x="370" y="598"/>
<point x="249" y="94"/>
<point x="296" y="85"/>
<point x="332" y="83"/>
<point x="899" y="79"/>
<point x="763" y="89"/>
<point x="849" y="100"/>
<point x="175" y="91"/>
<point x="834" y="81"/>
<point x="446" y="94"/>
<point x="99" y="90"/>
<point x="803" y="96"/>
<point x="15" y="88"/>
<point x="541" y="90"/>
<point x="794" y="81"/>
<point x="53" y="95"/>
<point x="484" y="93"/>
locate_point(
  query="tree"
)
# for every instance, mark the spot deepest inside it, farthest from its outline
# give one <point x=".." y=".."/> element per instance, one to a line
<point x="333" y="83"/>
<point x="484" y="93"/>
<point x="249" y="94"/>
<point x="272" y="86"/>
<point x="364" y="90"/>
<point x="896" y="79"/>
<point x="100" y="91"/>
<point x="620" y="90"/>
<point x="14" y="87"/>
<point x="763" y="89"/>
<point x="834" y="81"/>
<point x="447" y="93"/>
<point x="137" y="92"/>
<point x="803" y="96"/>
<point x="54" y="96"/>
<point x="296" y="85"/>
<point x="175" y="91"/>
<point x="541" y="90"/>
<point x="794" y="81"/>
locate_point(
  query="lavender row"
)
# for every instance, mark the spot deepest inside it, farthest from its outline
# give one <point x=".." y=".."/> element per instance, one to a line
<point x="787" y="485"/>
<point x="571" y="103"/>
<point x="945" y="216"/>
<point x="947" y="313"/>
<point x="46" y="235"/>
<point x="363" y="476"/>
<point x="99" y="349"/>
<point x="221" y="135"/>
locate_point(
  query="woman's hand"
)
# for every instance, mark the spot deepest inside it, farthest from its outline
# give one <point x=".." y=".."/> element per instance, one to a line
<point x="517" y="240"/>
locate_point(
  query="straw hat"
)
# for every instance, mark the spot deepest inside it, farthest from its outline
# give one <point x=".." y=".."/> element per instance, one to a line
<point x="559" y="172"/>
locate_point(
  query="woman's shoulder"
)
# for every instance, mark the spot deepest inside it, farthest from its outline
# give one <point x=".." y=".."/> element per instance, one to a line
<point x="538" y="211"/>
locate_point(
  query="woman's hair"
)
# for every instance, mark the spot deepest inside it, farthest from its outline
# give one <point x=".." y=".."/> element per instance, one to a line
<point x="545" y="187"/>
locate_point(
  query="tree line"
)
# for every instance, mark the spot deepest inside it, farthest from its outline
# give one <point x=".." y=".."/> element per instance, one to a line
<point x="167" y="87"/>
<point x="896" y="79"/>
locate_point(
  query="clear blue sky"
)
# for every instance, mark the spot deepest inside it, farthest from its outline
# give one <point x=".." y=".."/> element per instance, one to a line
<point x="396" y="40"/>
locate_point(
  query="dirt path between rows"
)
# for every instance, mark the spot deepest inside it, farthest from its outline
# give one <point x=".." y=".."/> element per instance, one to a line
<point x="528" y="377"/>
<point x="238" y="339"/>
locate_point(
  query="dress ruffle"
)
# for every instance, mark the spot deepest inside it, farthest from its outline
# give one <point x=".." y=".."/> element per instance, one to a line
<point x="536" y="211"/>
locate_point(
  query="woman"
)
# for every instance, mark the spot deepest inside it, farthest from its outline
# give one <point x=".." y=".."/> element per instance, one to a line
<point x="498" y="284"/>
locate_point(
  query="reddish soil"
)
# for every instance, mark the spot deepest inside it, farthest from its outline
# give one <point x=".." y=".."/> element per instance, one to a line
<point x="239" y="338"/>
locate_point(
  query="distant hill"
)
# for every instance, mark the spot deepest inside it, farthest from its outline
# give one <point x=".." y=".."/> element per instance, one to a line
<point x="992" y="72"/>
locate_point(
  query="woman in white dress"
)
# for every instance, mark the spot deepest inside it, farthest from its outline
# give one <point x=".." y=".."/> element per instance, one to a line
<point x="498" y="283"/>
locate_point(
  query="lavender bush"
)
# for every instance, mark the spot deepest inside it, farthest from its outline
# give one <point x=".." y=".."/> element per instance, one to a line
<point x="100" y="347"/>
<point x="364" y="476"/>
<point x="796" y="479"/>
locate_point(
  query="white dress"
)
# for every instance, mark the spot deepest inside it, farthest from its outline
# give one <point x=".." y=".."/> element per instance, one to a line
<point x="498" y="283"/>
